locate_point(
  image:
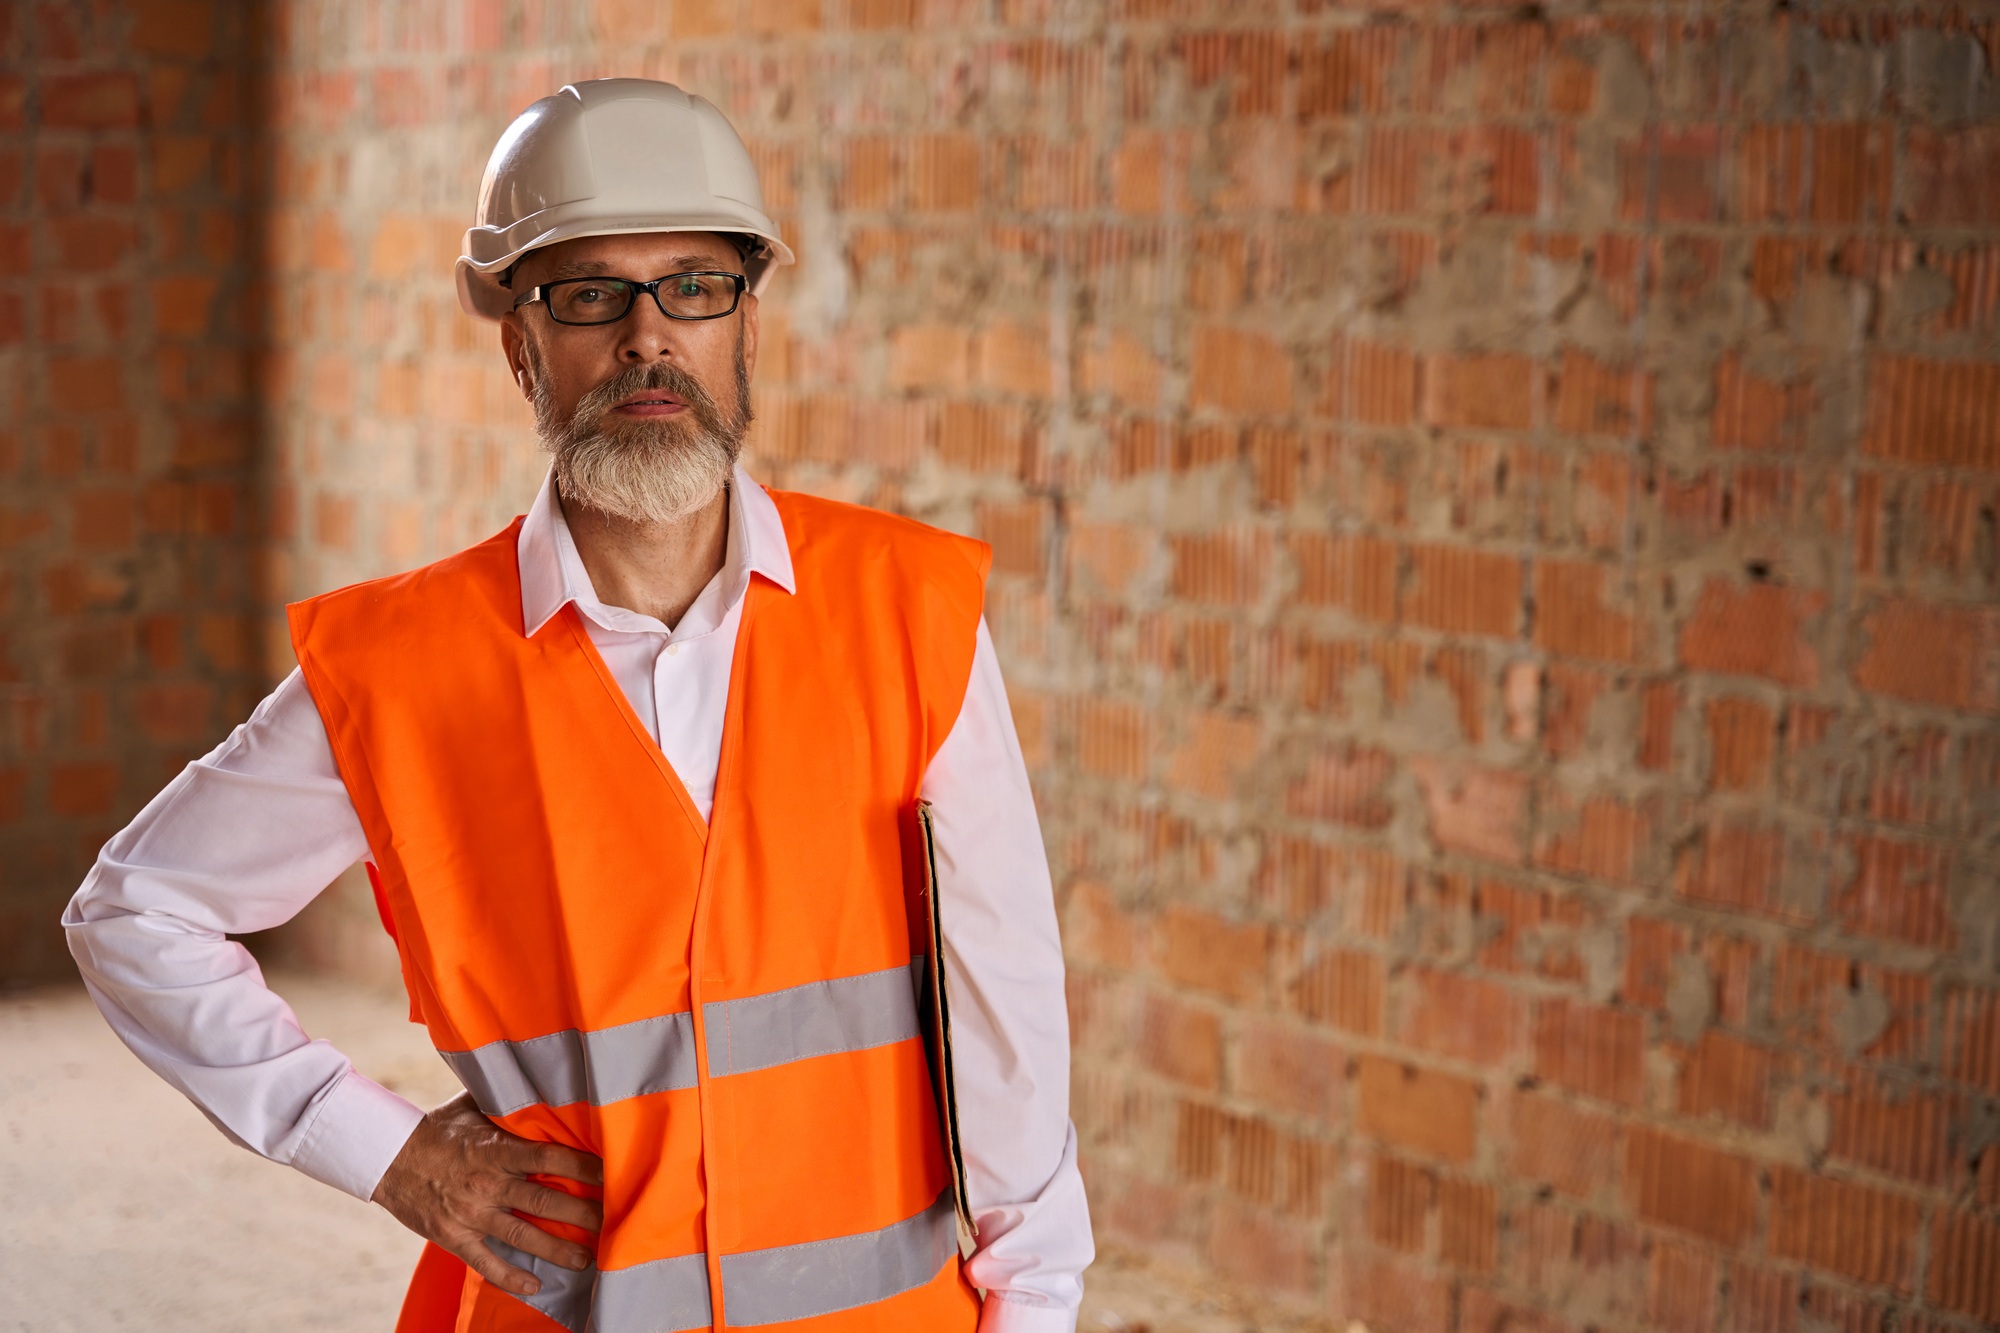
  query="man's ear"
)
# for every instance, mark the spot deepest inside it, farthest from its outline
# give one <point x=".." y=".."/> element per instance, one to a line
<point x="513" y="342"/>
<point x="750" y="332"/>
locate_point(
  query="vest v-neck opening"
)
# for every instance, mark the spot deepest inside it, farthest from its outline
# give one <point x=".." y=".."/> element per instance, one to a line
<point x="573" y="621"/>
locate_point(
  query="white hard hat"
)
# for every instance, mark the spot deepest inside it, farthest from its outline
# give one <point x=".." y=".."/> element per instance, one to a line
<point x="605" y="157"/>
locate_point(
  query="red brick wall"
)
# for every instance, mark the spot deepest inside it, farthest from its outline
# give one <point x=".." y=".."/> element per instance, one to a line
<point x="1495" y="528"/>
<point x="127" y="626"/>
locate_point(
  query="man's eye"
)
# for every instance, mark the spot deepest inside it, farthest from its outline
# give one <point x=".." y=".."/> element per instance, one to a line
<point x="588" y="295"/>
<point x="690" y="287"/>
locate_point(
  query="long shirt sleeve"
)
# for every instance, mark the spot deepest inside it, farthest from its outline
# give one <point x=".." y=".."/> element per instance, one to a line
<point x="1010" y="1028"/>
<point x="240" y="841"/>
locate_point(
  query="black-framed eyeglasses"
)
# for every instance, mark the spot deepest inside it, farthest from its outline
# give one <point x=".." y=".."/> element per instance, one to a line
<point x="608" y="300"/>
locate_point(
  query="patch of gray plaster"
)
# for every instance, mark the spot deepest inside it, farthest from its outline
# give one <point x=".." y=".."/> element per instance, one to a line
<point x="1974" y="896"/>
<point x="1803" y="1123"/>
<point x="1808" y="868"/>
<point x="1603" y="962"/>
<point x="1859" y="1019"/>
<point x="1365" y="693"/>
<point x="1976" y="1132"/>
<point x="1943" y="75"/>
<point x="1690" y="996"/>
<point x="1428" y="716"/>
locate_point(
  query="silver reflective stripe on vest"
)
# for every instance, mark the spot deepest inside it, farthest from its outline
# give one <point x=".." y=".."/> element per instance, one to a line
<point x="565" y="1295"/>
<point x="818" y="1018"/>
<point x="609" y="1065"/>
<point x="663" y="1296"/>
<point x="759" y="1286"/>
<point x="657" y="1054"/>
<point x="821" y="1277"/>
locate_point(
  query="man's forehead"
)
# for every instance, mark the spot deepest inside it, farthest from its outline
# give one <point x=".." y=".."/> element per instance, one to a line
<point x="665" y="252"/>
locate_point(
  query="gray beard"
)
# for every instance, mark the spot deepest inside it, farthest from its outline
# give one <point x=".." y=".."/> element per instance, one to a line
<point x="646" y="471"/>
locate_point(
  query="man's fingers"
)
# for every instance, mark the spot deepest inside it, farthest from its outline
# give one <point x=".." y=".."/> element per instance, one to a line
<point x="525" y="1236"/>
<point x="490" y="1266"/>
<point x="554" y="1159"/>
<point x="525" y="1196"/>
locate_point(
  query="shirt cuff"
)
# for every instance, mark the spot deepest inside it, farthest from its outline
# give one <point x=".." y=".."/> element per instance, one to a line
<point x="357" y="1130"/>
<point x="998" y="1314"/>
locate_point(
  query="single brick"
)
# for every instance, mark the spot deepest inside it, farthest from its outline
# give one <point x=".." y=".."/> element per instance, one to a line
<point x="1682" y="1287"/>
<point x="1933" y="413"/>
<point x="1018" y="534"/>
<point x="1590" y="1049"/>
<point x="1865" y="1234"/>
<point x="1762" y="1300"/>
<point x="1230" y="567"/>
<point x="1384" y="384"/>
<point x="1497" y="391"/>
<point x="176" y="713"/>
<point x="102" y="101"/>
<point x="1575" y="617"/>
<point x="1210" y="953"/>
<point x="1468" y="1225"/>
<point x="1112" y="739"/>
<point x="1659" y="702"/>
<point x="1182" y="1042"/>
<point x="1592" y="398"/>
<point x="1353" y="574"/>
<point x="1753" y="630"/>
<point x="1238" y="370"/>
<point x="1753" y="412"/>
<point x="1448" y="1013"/>
<point x="1400" y="1196"/>
<point x="1965" y="1265"/>
<point x="1343" y="987"/>
<point x="1742" y="735"/>
<point x="1096" y="929"/>
<point x="77" y="790"/>
<point x="1464" y="591"/>
<point x="1680" y="1182"/>
<point x="1479" y="812"/>
<point x="1388" y="1293"/>
<point x="1899" y="891"/>
<point x="1602" y="838"/>
<point x="1421" y="1109"/>
<point x="1344" y="786"/>
<point x="1270" y="1253"/>
<point x="1740" y="866"/>
<point x="1278" y="1067"/>
<point x="1573" y="1149"/>
<point x="1972" y="1037"/>
<point x="1943" y="655"/>
<point x="1728" y="1076"/>
<point x="944" y="172"/>
<point x="1891" y="1126"/>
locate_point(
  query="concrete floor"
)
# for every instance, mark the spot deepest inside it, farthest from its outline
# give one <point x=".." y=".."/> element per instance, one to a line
<point x="126" y="1209"/>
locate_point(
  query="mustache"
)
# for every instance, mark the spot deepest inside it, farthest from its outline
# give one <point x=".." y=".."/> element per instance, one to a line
<point x="653" y="376"/>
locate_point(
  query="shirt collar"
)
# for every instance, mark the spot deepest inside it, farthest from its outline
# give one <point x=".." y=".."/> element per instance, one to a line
<point x="553" y="576"/>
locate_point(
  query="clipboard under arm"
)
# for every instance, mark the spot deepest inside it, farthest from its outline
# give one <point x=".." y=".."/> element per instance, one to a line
<point x="937" y="1025"/>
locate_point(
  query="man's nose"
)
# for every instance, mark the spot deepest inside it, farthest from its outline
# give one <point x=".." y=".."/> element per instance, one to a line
<point x="646" y="334"/>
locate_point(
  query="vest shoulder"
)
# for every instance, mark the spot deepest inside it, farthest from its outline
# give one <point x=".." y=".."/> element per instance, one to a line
<point x="844" y="533"/>
<point x="484" y="575"/>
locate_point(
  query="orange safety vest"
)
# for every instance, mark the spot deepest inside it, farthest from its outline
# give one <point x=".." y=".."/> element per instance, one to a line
<point x="727" y="1013"/>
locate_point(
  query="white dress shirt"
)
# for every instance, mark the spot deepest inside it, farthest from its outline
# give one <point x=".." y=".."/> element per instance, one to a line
<point x="247" y="835"/>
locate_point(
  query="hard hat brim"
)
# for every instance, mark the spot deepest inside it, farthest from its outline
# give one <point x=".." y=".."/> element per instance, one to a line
<point x="479" y="289"/>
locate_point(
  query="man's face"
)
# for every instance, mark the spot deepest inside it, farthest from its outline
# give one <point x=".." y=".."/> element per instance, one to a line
<point x="644" y="415"/>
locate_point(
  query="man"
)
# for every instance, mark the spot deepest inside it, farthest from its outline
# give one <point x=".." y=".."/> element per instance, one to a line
<point x="638" y="784"/>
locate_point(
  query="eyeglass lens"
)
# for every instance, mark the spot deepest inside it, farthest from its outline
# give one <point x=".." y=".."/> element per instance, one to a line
<point x="606" y="300"/>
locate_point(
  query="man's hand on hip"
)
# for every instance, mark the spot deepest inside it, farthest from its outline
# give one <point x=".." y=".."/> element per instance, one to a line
<point x="461" y="1178"/>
